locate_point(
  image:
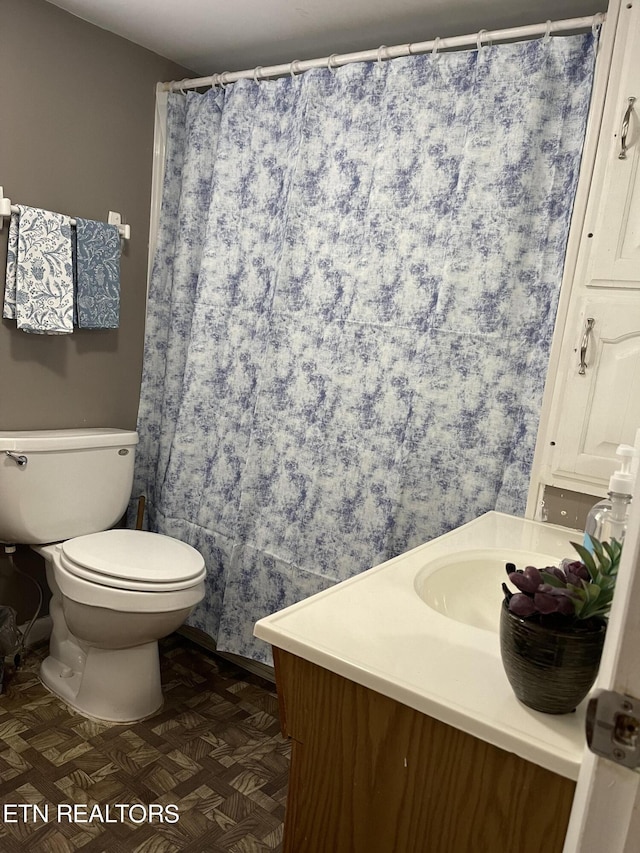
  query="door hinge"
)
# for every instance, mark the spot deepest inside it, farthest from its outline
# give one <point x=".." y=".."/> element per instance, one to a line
<point x="613" y="727"/>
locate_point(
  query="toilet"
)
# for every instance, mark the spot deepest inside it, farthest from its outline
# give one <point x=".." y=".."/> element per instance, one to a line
<point x="115" y="592"/>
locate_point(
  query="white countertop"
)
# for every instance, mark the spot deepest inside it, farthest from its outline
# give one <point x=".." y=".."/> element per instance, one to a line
<point x="374" y="629"/>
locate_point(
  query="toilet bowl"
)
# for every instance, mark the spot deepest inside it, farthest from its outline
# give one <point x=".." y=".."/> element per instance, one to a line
<point x="115" y="592"/>
<point x="114" y="595"/>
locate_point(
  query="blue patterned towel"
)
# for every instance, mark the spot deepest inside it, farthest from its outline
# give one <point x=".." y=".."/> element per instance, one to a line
<point x="98" y="275"/>
<point x="39" y="281"/>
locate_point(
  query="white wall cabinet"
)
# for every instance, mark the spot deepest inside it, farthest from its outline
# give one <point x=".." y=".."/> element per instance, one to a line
<point x="589" y="411"/>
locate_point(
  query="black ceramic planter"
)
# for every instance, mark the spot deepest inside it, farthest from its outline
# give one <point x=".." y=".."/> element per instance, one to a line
<point x="549" y="669"/>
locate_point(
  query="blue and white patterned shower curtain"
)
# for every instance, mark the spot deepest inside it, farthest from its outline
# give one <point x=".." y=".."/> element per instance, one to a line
<point x="350" y="313"/>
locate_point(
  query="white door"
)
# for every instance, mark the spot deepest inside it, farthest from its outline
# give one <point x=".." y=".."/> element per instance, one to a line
<point x="606" y="808"/>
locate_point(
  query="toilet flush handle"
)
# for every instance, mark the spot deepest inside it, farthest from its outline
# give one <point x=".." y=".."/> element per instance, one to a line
<point x="18" y="458"/>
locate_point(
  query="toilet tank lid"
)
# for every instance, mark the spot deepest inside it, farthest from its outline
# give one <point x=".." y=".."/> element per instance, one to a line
<point x="65" y="439"/>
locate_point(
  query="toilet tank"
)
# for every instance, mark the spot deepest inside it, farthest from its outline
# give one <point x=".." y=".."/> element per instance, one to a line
<point x="60" y="483"/>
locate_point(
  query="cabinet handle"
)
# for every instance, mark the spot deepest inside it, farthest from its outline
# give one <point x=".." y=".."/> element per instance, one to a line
<point x="624" y="130"/>
<point x="585" y="344"/>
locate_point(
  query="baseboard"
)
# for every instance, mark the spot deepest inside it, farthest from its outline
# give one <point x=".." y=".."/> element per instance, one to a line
<point x="204" y="640"/>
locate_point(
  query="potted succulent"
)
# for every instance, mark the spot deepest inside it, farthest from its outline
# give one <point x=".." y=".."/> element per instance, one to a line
<point x="552" y="628"/>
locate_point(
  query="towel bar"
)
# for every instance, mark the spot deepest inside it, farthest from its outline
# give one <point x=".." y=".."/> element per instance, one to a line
<point x="6" y="209"/>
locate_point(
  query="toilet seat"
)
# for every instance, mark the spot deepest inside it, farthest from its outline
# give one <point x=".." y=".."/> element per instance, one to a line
<point x="133" y="560"/>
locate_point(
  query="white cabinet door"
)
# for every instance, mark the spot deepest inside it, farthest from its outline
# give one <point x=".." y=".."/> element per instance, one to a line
<point x="616" y="256"/>
<point x="613" y="226"/>
<point x="600" y="400"/>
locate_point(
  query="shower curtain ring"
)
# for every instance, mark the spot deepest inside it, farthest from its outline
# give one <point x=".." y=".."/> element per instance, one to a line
<point x="222" y="80"/>
<point x="436" y="45"/>
<point x="293" y="67"/>
<point x="381" y="56"/>
<point x="257" y="71"/>
<point x="479" y="39"/>
<point x="597" y="22"/>
<point x="330" y="64"/>
<point x="547" y="33"/>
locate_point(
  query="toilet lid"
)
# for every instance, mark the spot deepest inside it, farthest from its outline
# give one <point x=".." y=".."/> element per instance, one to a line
<point x="133" y="559"/>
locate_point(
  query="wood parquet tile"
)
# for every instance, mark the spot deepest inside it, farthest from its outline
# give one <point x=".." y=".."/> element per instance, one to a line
<point x="214" y="752"/>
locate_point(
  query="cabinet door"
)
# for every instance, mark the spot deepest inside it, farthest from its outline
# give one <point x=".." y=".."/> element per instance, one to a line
<point x="370" y="775"/>
<point x="616" y="257"/>
<point x="601" y="403"/>
<point x="615" y="219"/>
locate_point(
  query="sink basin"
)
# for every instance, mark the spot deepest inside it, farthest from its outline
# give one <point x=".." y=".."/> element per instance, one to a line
<point x="466" y="586"/>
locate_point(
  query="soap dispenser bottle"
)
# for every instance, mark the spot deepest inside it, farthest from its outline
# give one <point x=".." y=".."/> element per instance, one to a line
<point x="608" y="518"/>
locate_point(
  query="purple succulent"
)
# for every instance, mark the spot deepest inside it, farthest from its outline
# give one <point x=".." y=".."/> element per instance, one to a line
<point x="542" y="592"/>
<point x="566" y="606"/>
<point x="527" y="581"/>
<point x="557" y="573"/>
<point x="522" y="605"/>
<point x="544" y="602"/>
<point x="579" y="590"/>
<point x="578" y="569"/>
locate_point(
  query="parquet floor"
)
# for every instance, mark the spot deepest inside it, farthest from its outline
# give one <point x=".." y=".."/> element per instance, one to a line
<point x="214" y="751"/>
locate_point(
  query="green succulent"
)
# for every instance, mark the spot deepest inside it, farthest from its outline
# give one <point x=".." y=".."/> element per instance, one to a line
<point x="594" y="598"/>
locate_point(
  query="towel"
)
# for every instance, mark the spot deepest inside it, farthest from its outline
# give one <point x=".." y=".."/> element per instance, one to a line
<point x="9" y="309"/>
<point x="39" y="279"/>
<point x="98" y="274"/>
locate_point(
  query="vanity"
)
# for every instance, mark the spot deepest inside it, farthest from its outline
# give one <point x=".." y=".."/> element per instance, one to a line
<point x="406" y="736"/>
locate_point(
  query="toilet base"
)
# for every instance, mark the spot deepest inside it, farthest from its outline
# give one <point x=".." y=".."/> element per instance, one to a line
<point x="115" y="685"/>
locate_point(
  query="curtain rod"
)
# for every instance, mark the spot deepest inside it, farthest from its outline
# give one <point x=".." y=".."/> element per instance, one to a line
<point x="383" y="52"/>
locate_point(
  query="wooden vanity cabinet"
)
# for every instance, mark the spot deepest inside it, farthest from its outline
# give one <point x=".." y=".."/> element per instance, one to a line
<point x="370" y="775"/>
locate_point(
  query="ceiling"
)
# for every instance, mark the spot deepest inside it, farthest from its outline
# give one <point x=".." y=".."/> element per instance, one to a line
<point x="210" y="36"/>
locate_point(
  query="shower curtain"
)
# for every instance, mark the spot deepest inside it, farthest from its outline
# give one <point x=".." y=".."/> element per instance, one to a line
<point x="350" y="312"/>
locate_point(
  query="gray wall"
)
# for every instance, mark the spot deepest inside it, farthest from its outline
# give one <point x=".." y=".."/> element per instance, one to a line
<point x="76" y="136"/>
